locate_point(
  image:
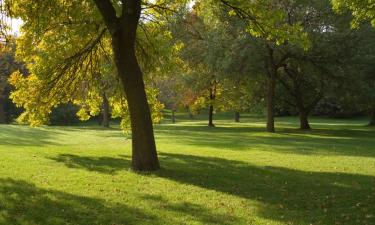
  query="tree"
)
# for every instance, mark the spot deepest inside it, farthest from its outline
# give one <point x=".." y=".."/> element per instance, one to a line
<point x="361" y="82"/>
<point x="307" y="75"/>
<point x="123" y="32"/>
<point x="8" y="65"/>
<point x="362" y="11"/>
<point x="269" y="21"/>
<point x="195" y="36"/>
<point x="74" y="33"/>
<point x="305" y="87"/>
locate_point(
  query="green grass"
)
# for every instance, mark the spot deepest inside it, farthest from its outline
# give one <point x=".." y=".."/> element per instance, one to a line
<point x="231" y="174"/>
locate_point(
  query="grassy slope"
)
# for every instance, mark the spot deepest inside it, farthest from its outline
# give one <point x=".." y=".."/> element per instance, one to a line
<point x="232" y="174"/>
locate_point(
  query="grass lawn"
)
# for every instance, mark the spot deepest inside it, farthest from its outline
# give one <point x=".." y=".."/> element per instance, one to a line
<point x="232" y="174"/>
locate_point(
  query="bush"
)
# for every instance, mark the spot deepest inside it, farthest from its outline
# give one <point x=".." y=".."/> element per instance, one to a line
<point x="64" y="114"/>
<point x="332" y="108"/>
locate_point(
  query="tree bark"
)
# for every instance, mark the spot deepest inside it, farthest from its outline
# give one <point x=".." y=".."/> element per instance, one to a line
<point x="3" y="118"/>
<point x="211" y="116"/>
<point x="271" y="104"/>
<point x="211" y="108"/>
<point x="173" y="116"/>
<point x="237" y="117"/>
<point x="105" y="112"/>
<point x="271" y="69"/>
<point x="304" y="122"/>
<point x="372" y="118"/>
<point x="123" y="32"/>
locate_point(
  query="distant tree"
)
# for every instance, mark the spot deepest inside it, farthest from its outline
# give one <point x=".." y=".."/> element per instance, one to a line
<point x="269" y="21"/>
<point x="362" y="79"/>
<point x="308" y="75"/>
<point x="8" y="65"/>
<point x="362" y="11"/>
<point x="194" y="35"/>
<point x="217" y="56"/>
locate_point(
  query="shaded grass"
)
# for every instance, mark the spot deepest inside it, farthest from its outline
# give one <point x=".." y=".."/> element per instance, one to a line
<point x="231" y="174"/>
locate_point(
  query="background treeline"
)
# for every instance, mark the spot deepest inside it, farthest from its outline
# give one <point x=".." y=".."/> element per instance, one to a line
<point x="298" y="58"/>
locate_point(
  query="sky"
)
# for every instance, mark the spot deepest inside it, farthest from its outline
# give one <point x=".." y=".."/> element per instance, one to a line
<point x="15" y="25"/>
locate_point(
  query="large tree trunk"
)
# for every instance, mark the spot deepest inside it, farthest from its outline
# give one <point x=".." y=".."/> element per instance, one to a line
<point x="237" y="117"/>
<point x="105" y="112"/>
<point x="144" y="156"/>
<point x="304" y="122"/>
<point x="372" y="118"/>
<point x="271" y="104"/>
<point x="123" y="32"/>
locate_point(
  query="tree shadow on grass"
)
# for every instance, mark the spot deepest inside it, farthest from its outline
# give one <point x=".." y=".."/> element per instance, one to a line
<point x="89" y="128"/>
<point x="350" y="142"/>
<point x="108" y="165"/>
<point x="296" y="197"/>
<point x="286" y="195"/>
<point x="26" y="136"/>
<point x="24" y="203"/>
<point x="191" y="212"/>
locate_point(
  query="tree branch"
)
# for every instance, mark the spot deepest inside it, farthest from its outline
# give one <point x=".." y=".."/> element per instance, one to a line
<point x="108" y="13"/>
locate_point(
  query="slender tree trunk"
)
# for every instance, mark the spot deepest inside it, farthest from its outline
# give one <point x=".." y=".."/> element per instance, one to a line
<point x="105" y="112"/>
<point x="237" y="117"/>
<point x="173" y="116"/>
<point x="123" y="31"/>
<point x="271" y="69"/>
<point x="191" y="116"/>
<point x="211" y="108"/>
<point x="211" y="116"/>
<point x="271" y="104"/>
<point x="3" y="118"/>
<point x="304" y="122"/>
<point x="372" y="118"/>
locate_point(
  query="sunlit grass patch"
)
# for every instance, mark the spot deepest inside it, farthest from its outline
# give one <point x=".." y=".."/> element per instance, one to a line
<point x="231" y="174"/>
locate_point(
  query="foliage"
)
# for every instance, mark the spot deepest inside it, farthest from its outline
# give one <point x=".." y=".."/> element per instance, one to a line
<point x="70" y="61"/>
<point x="269" y="20"/>
<point x="362" y="10"/>
<point x="8" y="65"/>
<point x="64" y="114"/>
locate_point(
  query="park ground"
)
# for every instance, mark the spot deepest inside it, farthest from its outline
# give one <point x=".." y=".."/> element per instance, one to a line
<point x="232" y="174"/>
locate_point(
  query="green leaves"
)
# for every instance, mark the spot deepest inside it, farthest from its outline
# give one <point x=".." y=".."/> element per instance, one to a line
<point x="270" y="20"/>
<point x="69" y="55"/>
<point x="362" y="10"/>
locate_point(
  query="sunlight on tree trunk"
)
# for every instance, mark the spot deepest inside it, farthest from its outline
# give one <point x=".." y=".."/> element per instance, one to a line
<point x="123" y="32"/>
